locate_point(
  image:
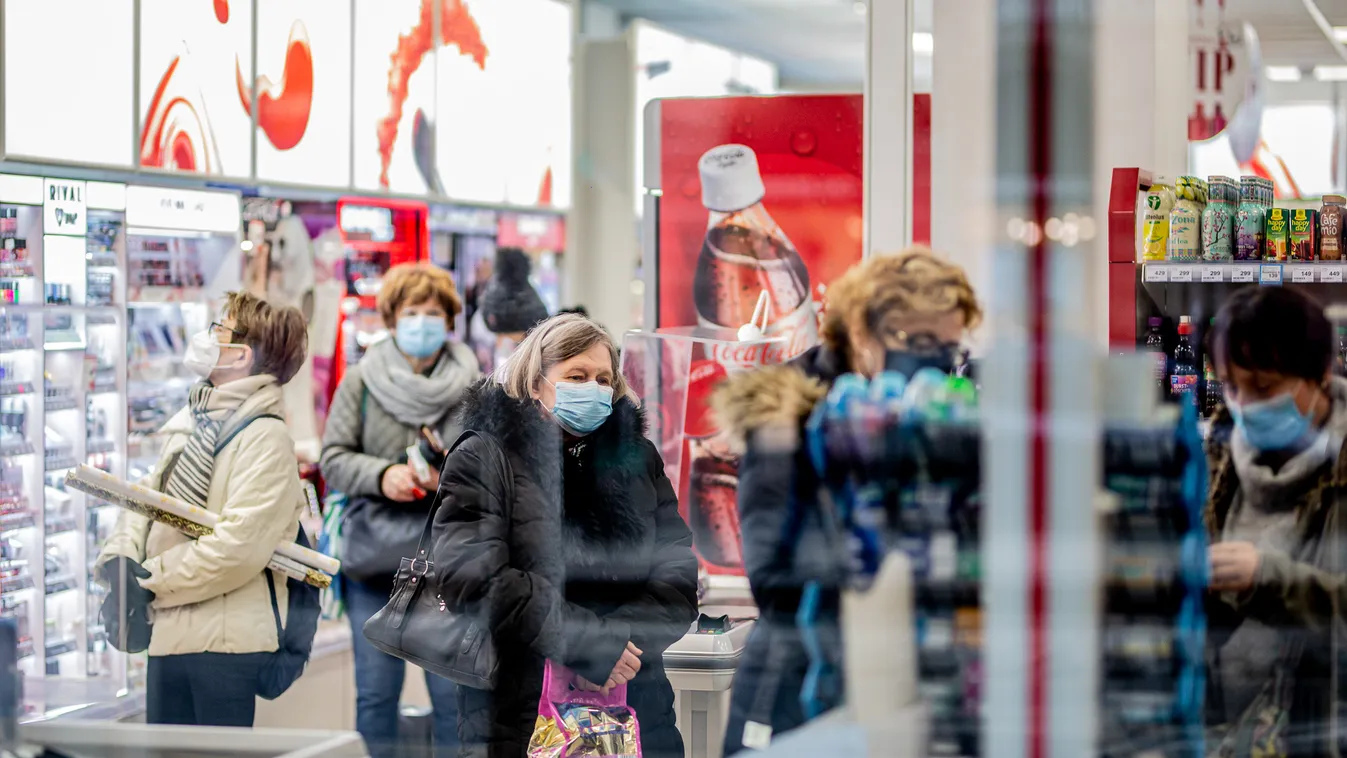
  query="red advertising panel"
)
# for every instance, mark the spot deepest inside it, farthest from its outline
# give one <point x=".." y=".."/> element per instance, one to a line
<point x="761" y="210"/>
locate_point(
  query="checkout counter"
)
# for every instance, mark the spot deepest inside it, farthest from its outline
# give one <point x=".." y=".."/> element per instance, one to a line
<point x="701" y="666"/>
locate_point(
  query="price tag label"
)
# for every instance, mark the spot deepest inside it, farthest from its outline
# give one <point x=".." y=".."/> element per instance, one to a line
<point x="1331" y="274"/>
<point x="1243" y="274"/>
<point x="1181" y="274"/>
<point x="1302" y="274"/>
<point x="1211" y="273"/>
<point x="1157" y="273"/>
<point x="1270" y="274"/>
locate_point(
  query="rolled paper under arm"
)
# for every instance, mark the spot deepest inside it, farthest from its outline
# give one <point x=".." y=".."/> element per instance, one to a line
<point x="290" y="559"/>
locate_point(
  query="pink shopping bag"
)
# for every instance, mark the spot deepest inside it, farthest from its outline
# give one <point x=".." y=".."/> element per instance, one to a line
<point x="573" y="723"/>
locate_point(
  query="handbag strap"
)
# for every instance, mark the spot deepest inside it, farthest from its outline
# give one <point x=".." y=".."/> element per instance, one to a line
<point x="507" y="476"/>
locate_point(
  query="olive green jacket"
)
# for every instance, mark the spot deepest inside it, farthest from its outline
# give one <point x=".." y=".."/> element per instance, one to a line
<point x="1306" y="592"/>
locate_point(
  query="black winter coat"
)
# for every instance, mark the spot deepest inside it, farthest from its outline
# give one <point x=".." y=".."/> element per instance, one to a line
<point x="572" y="581"/>
<point x="785" y="544"/>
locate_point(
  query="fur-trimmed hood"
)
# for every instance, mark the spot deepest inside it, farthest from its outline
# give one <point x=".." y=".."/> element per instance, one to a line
<point x="594" y="527"/>
<point x="767" y="397"/>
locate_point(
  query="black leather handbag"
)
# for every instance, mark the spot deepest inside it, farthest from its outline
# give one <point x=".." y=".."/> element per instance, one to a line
<point x="418" y="627"/>
<point x="378" y="533"/>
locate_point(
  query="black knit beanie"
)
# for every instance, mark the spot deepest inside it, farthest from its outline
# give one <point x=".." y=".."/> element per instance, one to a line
<point x="509" y="303"/>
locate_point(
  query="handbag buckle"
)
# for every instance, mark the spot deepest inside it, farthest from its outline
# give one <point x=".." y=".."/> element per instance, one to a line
<point x="423" y="571"/>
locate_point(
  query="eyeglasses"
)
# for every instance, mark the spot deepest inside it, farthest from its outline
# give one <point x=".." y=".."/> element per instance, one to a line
<point x="217" y="328"/>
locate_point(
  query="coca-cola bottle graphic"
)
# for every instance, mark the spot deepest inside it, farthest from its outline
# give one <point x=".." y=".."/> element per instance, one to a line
<point x="713" y="474"/>
<point x="746" y="253"/>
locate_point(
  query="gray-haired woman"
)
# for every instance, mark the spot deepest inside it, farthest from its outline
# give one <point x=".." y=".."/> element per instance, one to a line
<point x="578" y="553"/>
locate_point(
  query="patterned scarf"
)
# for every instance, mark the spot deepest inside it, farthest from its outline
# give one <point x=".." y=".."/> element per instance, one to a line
<point x="211" y="407"/>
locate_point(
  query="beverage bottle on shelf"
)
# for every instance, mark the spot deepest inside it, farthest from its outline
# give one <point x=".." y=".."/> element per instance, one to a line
<point x="1331" y="227"/>
<point x="1212" y="392"/>
<point x="1249" y="220"/>
<point x="1342" y="351"/>
<point x="1185" y="220"/>
<point x="1155" y="345"/>
<point x="1160" y="200"/>
<point x="745" y="254"/>
<point x="1218" y="220"/>
<point x="1183" y="376"/>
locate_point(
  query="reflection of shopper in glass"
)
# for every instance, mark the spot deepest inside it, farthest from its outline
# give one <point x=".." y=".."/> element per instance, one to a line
<point x="559" y="525"/>
<point x="874" y="312"/>
<point x="214" y="624"/>
<point x="1276" y="517"/>
<point x="402" y="394"/>
<point x="510" y="306"/>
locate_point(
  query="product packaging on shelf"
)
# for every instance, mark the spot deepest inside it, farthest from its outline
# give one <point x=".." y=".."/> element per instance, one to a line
<point x="1303" y="226"/>
<point x="1155" y="228"/>
<point x="1331" y="227"/>
<point x="1185" y="220"/>
<point x="1218" y="220"/>
<point x="1277" y="234"/>
<point x="1250" y="220"/>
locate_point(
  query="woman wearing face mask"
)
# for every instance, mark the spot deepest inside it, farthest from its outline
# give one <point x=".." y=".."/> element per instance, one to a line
<point x="1275" y="514"/>
<point x="402" y="395"/>
<point x="229" y="452"/>
<point x="897" y="313"/>
<point x="558" y="524"/>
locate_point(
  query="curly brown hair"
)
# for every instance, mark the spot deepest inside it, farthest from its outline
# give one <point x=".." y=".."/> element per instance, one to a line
<point x="413" y="284"/>
<point x="876" y="293"/>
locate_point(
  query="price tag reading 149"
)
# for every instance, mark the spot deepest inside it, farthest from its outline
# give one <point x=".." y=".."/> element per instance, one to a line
<point x="1302" y="274"/>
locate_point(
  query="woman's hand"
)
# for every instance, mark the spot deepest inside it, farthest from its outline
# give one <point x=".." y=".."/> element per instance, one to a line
<point x="431" y="483"/>
<point x="399" y="484"/>
<point x="1234" y="565"/>
<point x="626" y="669"/>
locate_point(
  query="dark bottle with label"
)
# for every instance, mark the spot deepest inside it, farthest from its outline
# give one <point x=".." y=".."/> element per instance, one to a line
<point x="1341" y="363"/>
<point x="1155" y="345"/>
<point x="1212" y="392"/>
<point x="1183" y="377"/>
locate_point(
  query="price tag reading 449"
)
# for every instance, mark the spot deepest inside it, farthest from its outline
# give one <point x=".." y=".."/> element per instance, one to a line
<point x="1331" y="274"/>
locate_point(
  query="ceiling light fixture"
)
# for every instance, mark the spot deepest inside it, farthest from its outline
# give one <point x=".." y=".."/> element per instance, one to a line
<point x="923" y="43"/>
<point x="1330" y="73"/>
<point x="1340" y="33"/>
<point x="1283" y="73"/>
<point x="859" y="7"/>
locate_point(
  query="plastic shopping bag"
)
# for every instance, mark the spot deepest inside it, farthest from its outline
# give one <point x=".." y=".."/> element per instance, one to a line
<point x="573" y="723"/>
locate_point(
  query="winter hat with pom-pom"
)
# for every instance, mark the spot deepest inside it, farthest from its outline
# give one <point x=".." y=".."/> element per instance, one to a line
<point x="509" y="303"/>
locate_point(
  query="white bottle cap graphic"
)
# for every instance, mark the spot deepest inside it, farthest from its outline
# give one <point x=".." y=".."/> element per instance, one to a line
<point x="730" y="178"/>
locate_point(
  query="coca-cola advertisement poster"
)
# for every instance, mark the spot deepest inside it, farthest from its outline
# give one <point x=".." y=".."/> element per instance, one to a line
<point x="761" y="210"/>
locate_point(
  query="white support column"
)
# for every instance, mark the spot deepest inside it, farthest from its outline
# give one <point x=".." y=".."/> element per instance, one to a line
<point x="603" y="243"/>
<point x="888" y="127"/>
<point x="963" y="140"/>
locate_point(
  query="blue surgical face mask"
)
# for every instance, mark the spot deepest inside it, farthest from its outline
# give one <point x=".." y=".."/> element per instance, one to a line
<point x="581" y="408"/>
<point x="421" y="336"/>
<point x="1271" y="425"/>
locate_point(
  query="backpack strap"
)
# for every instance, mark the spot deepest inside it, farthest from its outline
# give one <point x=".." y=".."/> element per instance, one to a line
<point x="224" y="441"/>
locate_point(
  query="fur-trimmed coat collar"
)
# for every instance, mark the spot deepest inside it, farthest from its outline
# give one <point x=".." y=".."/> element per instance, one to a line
<point x="594" y="527"/>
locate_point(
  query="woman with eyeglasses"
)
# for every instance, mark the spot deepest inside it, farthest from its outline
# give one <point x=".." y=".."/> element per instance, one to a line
<point x="391" y="419"/>
<point x="211" y="599"/>
<point x="1277" y="519"/>
<point x="896" y="313"/>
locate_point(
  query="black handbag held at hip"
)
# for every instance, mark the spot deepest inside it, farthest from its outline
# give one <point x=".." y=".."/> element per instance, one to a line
<point x="418" y="627"/>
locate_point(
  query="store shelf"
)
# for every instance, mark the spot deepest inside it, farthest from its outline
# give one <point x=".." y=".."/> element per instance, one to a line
<point x="62" y="647"/>
<point x="56" y="584"/>
<point x="17" y="583"/>
<point x="15" y="449"/>
<point x="61" y="525"/>
<point x="65" y="401"/>
<point x="101" y="318"/>
<point x="8" y="344"/>
<point x="1246" y="272"/>
<point x="15" y="387"/>
<point x="95" y="447"/>
<point x="17" y="520"/>
<point x="60" y="463"/>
